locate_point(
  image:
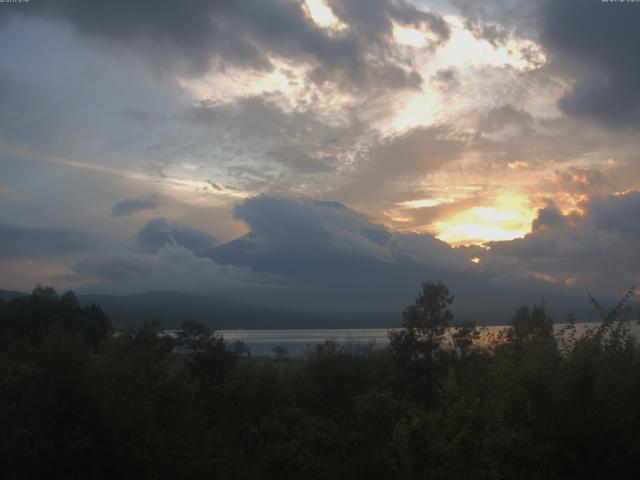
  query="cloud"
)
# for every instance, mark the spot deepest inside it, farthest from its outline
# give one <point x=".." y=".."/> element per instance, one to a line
<point x="263" y="144"/>
<point x="160" y="232"/>
<point x="505" y="116"/>
<point x="414" y="153"/>
<point x="581" y="183"/>
<point x="332" y="257"/>
<point x="330" y="249"/>
<point x="548" y="217"/>
<point x="313" y="254"/>
<point x="594" y="251"/>
<point x="286" y="226"/>
<point x="299" y="161"/>
<point x="389" y="169"/>
<point x="322" y="113"/>
<point x="174" y="34"/>
<point x="371" y="17"/>
<point x="495" y="20"/>
<point x="594" y="44"/>
<point x="298" y="141"/>
<point x="282" y="225"/>
<point x="618" y="213"/>
<point x="447" y="79"/>
<point x="171" y="267"/>
<point x="310" y="253"/>
<point x="131" y="205"/>
<point x="23" y="242"/>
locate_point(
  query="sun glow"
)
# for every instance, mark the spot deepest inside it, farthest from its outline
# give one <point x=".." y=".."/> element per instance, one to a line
<point x="510" y="217"/>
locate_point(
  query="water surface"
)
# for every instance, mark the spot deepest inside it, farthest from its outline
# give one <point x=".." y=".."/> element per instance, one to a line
<point x="262" y="342"/>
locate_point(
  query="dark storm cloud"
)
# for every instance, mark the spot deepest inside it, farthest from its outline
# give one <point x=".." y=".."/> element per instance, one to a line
<point x="548" y="217"/>
<point x="307" y="228"/>
<point x="620" y="214"/>
<point x="330" y="255"/>
<point x="25" y="242"/>
<point x="596" y="43"/>
<point x="333" y="257"/>
<point x="494" y="20"/>
<point x="131" y="205"/>
<point x="289" y="225"/>
<point x="592" y="43"/>
<point x="160" y="232"/>
<point x="595" y="251"/>
<point x="250" y="32"/>
<point x="371" y="17"/>
<point x="172" y="267"/>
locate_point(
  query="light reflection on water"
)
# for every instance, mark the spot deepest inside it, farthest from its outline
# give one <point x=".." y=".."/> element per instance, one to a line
<point x="296" y="342"/>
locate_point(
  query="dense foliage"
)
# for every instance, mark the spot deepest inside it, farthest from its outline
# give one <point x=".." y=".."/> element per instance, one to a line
<point x="78" y="401"/>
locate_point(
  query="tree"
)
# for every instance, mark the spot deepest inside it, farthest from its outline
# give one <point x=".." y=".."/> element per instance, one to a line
<point x="280" y="351"/>
<point x="531" y="325"/>
<point x="424" y="325"/>
<point x="34" y="316"/>
<point x="465" y="337"/>
<point x="240" y="348"/>
<point x="209" y="358"/>
<point x="194" y="336"/>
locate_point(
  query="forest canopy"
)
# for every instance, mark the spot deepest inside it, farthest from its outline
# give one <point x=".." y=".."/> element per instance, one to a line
<point x="80" y="400"/>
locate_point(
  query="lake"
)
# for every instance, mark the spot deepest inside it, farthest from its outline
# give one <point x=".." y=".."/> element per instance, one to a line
<point x="261" y="342"/>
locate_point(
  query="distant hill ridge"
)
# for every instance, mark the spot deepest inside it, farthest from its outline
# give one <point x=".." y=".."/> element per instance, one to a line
<point x="7" y="295"/>
<point x="171" y="308"/>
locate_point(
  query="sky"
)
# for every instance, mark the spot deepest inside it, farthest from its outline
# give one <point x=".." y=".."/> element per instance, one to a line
<point x="321" y="153"/>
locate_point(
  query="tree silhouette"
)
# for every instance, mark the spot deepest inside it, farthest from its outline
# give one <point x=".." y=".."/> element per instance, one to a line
<point x="423" y="328"/>
<point x="280" y="351"/>
<point x="34" y="316"/>
<point x="146" y="405"/>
